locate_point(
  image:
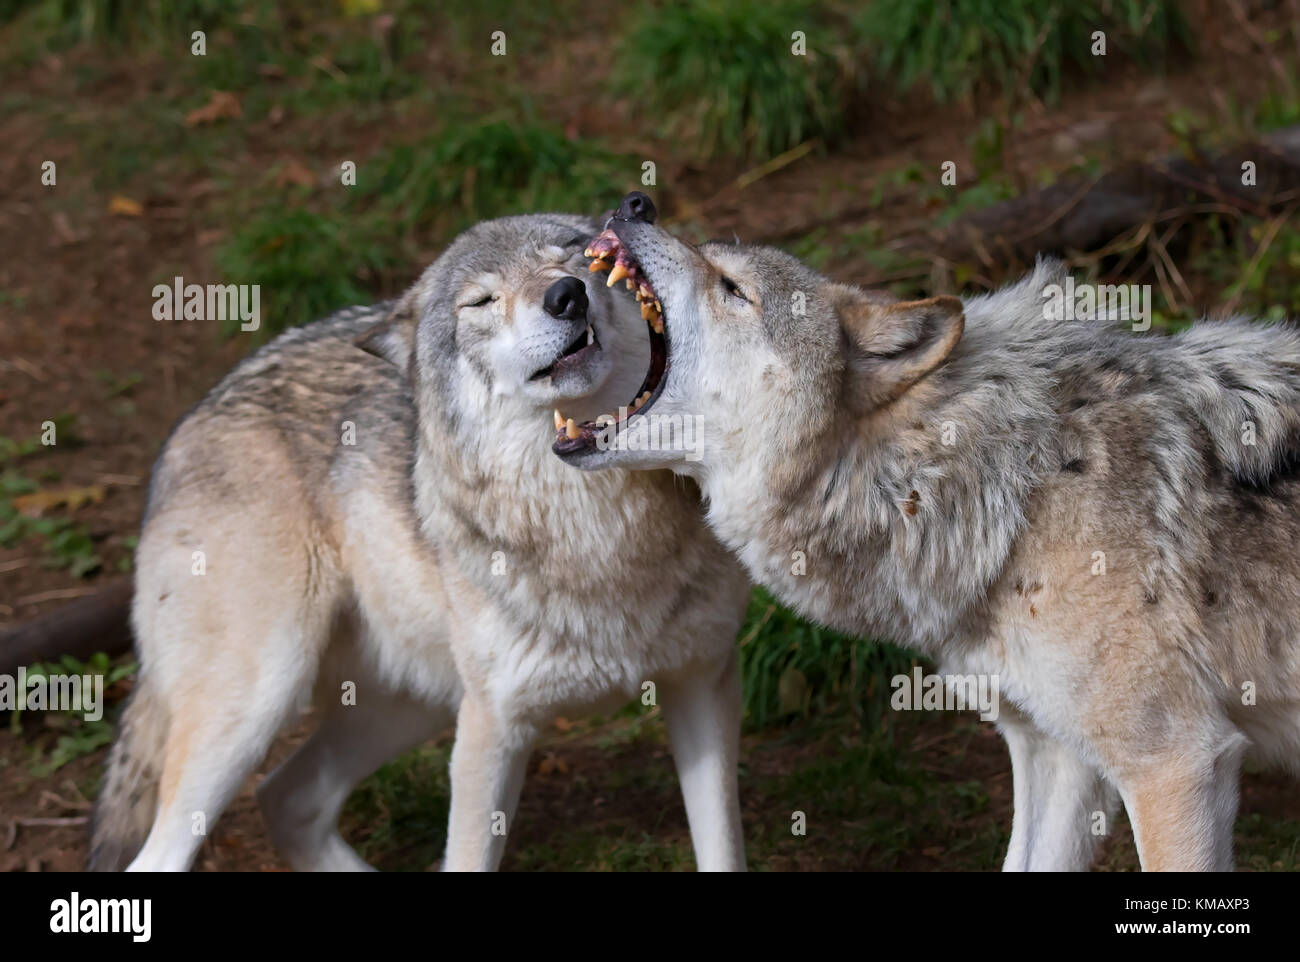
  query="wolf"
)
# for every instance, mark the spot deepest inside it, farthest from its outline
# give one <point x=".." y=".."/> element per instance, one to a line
<point x="1105" y="521"/>
<point x="365" y="514"/>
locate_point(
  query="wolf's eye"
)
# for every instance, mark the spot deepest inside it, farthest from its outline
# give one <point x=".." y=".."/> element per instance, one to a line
<point x="732" y="288"/>
<point x="484" y="302"/>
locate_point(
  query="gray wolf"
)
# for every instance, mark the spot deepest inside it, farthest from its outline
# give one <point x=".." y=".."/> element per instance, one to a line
<point x="1104" y="520"/>
<point x="365" y="514"/>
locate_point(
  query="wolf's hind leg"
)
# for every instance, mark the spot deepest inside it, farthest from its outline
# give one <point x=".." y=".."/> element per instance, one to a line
<point x="1060" y="802"/>
<point x="223" y="721"/>
<point x="302" y="798"/>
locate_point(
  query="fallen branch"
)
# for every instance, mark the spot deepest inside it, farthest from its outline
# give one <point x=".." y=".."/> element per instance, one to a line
<point x="1076" y="214"/>
<point x="100" y="622"/>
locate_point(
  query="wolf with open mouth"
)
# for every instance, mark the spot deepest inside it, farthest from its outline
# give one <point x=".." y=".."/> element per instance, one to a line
<point x="1104" y="521"/>
<point x="367" y="509"/>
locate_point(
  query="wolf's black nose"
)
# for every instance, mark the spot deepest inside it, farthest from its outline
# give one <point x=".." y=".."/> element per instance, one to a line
<point x="637" y="206"/>
<point x="566" y="299"/>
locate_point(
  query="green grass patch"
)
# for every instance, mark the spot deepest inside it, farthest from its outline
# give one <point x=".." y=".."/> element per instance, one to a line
<point x="74" y="736"/>
<point x="132" y="22"/>
<point x="397" y="818"/>
<point x="965" y="47"/>
<point x="721" y="76"/>
<point x="794" y="669"/>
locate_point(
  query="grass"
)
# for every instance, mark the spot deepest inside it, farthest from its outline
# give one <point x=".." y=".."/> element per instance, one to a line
<point x="310" y="260"/>
<point x="74" y="736"/>
<point x="961" y="48"/>
<point x="306" y="263"/>
<point x="721" y="78"/>
<point x="128" y="21"/>
<point x="791" y="668"/>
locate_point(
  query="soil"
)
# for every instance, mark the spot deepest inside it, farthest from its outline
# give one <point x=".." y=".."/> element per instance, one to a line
<point x="76" y="325"/>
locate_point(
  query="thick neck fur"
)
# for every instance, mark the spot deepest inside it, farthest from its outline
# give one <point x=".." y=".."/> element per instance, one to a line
<point x="489" y="491"/>
<point x="895" y="523"/>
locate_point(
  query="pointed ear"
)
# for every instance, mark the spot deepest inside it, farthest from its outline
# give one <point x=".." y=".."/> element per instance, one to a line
<point x="892" y="345"/>
<point x="393" y="338"/>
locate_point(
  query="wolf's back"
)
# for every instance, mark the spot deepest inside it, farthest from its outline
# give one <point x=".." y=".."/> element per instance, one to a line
<point x="1242" y="381"/>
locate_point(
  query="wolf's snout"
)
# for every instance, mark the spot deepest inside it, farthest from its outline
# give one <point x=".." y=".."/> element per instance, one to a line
<point x="637" y="206"/>
<point x="566" y="299"/>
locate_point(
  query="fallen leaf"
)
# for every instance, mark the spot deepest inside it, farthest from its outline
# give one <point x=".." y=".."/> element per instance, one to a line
<point x="295" y="172"/>
<point x="125" y="206"/>
<point x="552" y="763"/>
<point x="37" y="503"/>
<point x="222" y="105"/>
<point x="563" y="724"/>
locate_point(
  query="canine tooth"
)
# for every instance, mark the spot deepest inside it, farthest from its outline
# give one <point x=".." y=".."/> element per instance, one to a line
<point x="571" y="429"/>
<point x="559" y="419"/>
<point x="617" y="274"/>
<point x="597" y="265"/>
<point x="591" y="336"/>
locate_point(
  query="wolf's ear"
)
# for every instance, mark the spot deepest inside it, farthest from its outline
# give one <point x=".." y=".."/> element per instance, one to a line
<point x="393" y="338"/>
<point x="892" y="345"/>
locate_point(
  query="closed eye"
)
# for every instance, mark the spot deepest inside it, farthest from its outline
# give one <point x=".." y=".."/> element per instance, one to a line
<point x="483" y="302"/>
<point x="732" y="288"/>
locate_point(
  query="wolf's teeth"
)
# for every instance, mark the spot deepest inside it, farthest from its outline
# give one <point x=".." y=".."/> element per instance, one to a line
<point x="644" y="290"/>
<point x="571" y="429"/>
<point x="559" y="419"/>
<point x="647" y="311"/>
<point x="631" y="284"/>
<point x="591" y="336"/>
<point x="588" y="253"/>
<point x="639" y="298"/>
<point x="597" y="265"/>
<point x="657" y="324"/>
<point x="606" y="419"/>
<point x="658" y="307"/>
<point x="616" y="274"/>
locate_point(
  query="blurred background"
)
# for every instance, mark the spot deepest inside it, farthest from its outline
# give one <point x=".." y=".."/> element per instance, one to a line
<point x="1166" y="157"/>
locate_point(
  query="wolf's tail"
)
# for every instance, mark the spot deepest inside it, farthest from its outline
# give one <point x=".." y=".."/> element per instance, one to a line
<point x="125" y="809"/>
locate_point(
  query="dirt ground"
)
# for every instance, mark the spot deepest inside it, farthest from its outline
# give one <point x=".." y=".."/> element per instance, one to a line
<point x="77" y="338"/>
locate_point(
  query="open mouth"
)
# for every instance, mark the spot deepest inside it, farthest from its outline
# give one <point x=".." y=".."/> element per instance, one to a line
<point x="608" y="254"/>
<point x="572" y="355"/>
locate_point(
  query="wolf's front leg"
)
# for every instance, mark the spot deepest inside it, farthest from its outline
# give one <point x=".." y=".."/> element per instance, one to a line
<point x="1063" y="805"/>
<point x="1182" y="802"/>
<point x="487" y="773"/>
<point x="702" y="712"/>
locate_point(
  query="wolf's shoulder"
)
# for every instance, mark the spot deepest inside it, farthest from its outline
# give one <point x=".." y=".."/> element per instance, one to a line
<point x="310" y="366"/>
